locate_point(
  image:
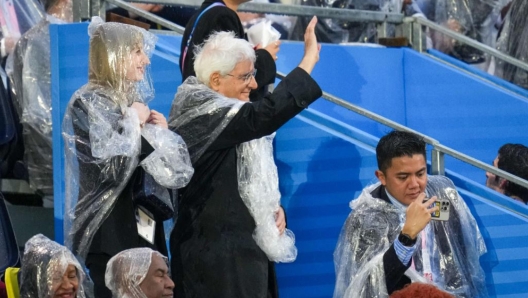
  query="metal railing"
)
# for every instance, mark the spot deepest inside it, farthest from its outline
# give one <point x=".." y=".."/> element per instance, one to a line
<point x="438" y="150"/>
<point x="410" y="27"/>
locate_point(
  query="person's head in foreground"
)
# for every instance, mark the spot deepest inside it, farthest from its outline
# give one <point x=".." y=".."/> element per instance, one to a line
<point x="139" y="273"/>
<point x="119" y="57"/>
<point x="49" y="270"/>
<point x="402" y="167"/>
<point x="420" y="290"/>
<point x="512" y="158"/>
<point x="226" y="65"/>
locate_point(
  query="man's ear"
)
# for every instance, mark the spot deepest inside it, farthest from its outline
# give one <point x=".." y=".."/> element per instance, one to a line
<point x="381" y="176"/>
<point x="214" y="81"/>
<point x="503" y="183"/>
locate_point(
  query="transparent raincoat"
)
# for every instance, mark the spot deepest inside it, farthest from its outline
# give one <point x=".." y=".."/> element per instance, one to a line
<point x="30" y="72"/>
<point x="200" y="114"/>
<point x="102" y="133"/>
<point x="462" y="16"/>
<point x="43" y="266"/>
<point x="127" y="270"/>
<point x="447" y="251"/>
<point x="341" y="31"/>
<point x="513" y="41"/>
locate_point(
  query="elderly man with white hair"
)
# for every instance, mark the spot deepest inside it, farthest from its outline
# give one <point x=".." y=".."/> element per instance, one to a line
<point x="230" y="226"/>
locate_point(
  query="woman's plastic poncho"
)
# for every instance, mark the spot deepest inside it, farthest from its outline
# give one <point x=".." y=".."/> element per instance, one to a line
<point x="257" y="173"/>
<point x="127" y="270"/>
<point x="43" y="262"/>
<point x="102" y="134"/>
<point x="453" y="246"/>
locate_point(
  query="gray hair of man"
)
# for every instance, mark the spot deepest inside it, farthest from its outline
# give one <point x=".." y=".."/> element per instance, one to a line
<point x="221" y="52"/>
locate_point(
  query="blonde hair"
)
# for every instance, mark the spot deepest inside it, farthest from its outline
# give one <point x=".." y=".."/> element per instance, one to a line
<point x="110" y="48"/>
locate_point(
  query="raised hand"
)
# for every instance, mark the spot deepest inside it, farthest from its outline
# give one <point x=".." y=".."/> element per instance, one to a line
<point x="311" y="47"/>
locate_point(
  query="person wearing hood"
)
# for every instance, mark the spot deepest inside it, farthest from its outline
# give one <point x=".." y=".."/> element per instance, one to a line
<point x="50" y="270"/>
<point x="389" y="239"/>
<point x="112" y="141"/>
<point x="230" y="227"/>
<point x="139" y="273"/>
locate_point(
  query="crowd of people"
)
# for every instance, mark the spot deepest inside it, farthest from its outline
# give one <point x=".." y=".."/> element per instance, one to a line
<point x="210" y="166"/>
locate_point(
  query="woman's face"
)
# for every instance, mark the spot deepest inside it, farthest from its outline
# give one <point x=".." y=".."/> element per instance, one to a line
<point x="238" y="83"/>
<point x="136" y="64"/>
<point x="66" y="286"/>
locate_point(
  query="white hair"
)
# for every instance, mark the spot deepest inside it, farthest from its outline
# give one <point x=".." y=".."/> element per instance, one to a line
<point x="221" y="52"/>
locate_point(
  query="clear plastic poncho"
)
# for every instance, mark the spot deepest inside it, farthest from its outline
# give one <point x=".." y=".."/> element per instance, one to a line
<point x="513" y="41"/>
<point x="342" y="31"/>
<point x="19" y="16"/>
<point x="30" y="72"/>
<point x="200" y="114"/>
<point x="456" y="15"/>
<point x="450" y="257"/>
<point x="43" y="266"/>
<point x="102" y="134"/>
<point x="127" y="270"/>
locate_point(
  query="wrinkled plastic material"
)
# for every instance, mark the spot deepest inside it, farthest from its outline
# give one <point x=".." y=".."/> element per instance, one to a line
<point x="454" y="247"/>
<point x="257" y="173"/>
<point x="462" y="16"/>
<point x="513" y="41"/>
<point x="126" y="270"/>
<point x="29" y="13"/>
<point x="262" y="33"/>
<point x="193" y="100"/>
<point x="30" y="75"/>
<point x="341" y="31"/>
<point x="258" y="184"/>
<point x="102" y="136"/>
<point x="44" y="262"/>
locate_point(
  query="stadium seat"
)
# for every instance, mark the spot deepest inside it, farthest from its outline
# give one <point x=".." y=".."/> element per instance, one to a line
<point x="11" y="281"/>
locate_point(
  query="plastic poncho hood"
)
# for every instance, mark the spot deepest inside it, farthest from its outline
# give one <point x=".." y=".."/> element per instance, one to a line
<point x="127" y="270"/>
<point x="43" y="262"/>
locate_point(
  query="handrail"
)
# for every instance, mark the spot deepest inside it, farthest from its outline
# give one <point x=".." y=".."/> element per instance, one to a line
<point x="433" y="142"/>
<point x="298" y="10"/>
<point x="471" y="42"/>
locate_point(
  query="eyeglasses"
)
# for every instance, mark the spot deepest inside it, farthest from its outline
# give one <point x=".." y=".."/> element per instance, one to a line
<point x="245" y="77"/>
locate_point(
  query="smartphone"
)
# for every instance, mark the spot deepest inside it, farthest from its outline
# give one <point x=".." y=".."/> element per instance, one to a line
<point x="444" y="207"/>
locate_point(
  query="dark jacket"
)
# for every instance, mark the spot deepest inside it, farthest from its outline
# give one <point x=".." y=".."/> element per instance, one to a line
<point x="212" y="248"/>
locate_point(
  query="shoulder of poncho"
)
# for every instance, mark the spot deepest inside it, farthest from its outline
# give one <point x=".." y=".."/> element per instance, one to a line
<point x="366" y="203"/>
<point x="437" y="179"/>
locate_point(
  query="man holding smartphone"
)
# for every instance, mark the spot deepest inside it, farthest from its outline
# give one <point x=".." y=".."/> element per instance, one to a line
<point x="389" y="239"/>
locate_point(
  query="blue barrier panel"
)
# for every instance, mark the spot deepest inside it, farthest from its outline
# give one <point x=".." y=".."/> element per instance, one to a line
<point x="69" y="69"/>
<point x="462" y="111"/>
<point x="369" y="77"/>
